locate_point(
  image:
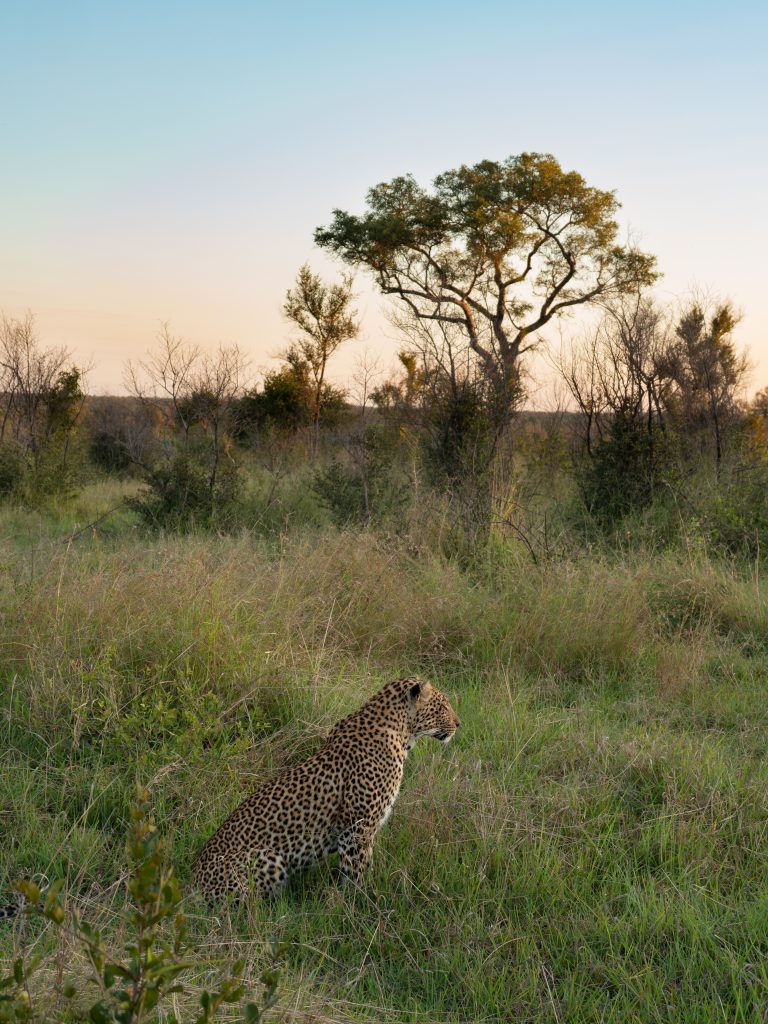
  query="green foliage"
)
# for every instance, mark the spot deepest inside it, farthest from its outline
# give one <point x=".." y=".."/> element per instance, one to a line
<point x="197" y="407"/>
<point x="185" y="407"/>
<point x="459" y="438"/>
<point x="108" y="451"/>
<point x="11" y="469"/>
<point x="63" y="402"/>
<point x="45" y="460"/>
<point x="325" y="319"/>
<point x="15" y="1002"/>
<point x="451" y="416"/>
<point x="367" y="486"/>
<point x="287" y="401"/>
<point x="179" y="494"/>
<point x="708" y="372"/>
<point x="282" y="404"/>
<point x="626" y="470"/>
<point x="56" y="472"/>
<point x="759" y="404"/>
<point x="136" y="985"/>
<point x="734" y="513"/>
<point x="56" y="459"/>
<point x="453" y="254"/>
<point x="458" y="445"/>
<point x="115" y="429"/>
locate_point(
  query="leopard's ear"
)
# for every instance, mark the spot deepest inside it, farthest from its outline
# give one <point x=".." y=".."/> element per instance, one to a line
<point x="419" y="688"/>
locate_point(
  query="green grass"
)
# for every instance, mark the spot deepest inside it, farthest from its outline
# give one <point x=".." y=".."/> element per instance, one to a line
<point x="592" y="847"/>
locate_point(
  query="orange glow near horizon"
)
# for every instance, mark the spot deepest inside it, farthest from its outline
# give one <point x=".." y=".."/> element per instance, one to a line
<point x="170" y="163"/>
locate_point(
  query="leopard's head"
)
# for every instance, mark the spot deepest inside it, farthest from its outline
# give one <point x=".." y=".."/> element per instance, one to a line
<point x="429" y="713"/>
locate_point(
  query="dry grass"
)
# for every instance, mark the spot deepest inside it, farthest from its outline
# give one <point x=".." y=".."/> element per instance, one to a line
<point x="592" y="848"/>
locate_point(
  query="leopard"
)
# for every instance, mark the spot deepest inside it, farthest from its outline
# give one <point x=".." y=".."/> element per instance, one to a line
<point x="19" y="901"/>
<point x="335" y="801"/>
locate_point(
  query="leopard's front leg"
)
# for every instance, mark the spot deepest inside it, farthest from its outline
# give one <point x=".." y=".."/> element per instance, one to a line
<point x="355" y="847"/>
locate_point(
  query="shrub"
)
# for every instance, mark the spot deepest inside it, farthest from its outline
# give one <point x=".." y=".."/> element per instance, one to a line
<point x="133" y="986"/>
<point x="367" y="486"/>
<point x="109" y="452"/>
<point x="286" y="402"/>
<point x="626" y="469"/>
<point x="11" y="469"/>
<point x="735" y="517"/>
<point x="179" y="494"/>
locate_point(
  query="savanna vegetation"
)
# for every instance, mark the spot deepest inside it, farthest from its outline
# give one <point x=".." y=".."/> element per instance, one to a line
<point x="200" y="578"/>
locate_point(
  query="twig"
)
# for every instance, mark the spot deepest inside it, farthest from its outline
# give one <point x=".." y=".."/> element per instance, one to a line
<point x="90" y="526"/>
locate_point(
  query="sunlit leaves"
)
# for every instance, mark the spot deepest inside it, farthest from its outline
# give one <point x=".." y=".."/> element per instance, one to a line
<point x="498" y="249"/>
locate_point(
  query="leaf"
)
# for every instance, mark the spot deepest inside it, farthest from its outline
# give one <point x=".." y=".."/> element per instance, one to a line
<point x="99" y="1014"/>
<point x="53" y="892"/>
<point x="55" y="914"/>
<point x="29" y="890"/>
<point x="85" y="929"/>
<point x="55" y="888"/>
<point x="171" y="970"/>
<point x="232" y="994"/>
<point x="121" y="972"/>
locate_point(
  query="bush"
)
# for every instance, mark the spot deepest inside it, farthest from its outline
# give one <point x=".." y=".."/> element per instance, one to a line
<point x="179" y="495"/>
<point x="366" y="487"/>
<point x="626" y="469"/>
<point x="54" y="471"/>
<point x="735" y="518"/>
<point x="132" y="986"/>
<point x="285" y="403"/>
<point x="459" y="437"/>
<point x="58" y="471"/>
<point x="109" y="452"/>
<point x="11" y="470"/>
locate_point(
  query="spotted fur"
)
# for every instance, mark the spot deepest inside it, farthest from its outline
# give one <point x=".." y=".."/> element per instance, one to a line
<point x="336" y="801"/>
<point x="14" y="909"/>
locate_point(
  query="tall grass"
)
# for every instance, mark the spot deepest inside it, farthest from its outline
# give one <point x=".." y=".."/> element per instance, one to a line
<point x="592" y="847"/>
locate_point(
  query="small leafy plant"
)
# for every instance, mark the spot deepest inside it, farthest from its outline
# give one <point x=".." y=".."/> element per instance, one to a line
<point x="153" y="962"/>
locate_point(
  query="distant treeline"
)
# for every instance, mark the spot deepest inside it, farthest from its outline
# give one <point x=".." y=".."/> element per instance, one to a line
<point x="653" y="435"/>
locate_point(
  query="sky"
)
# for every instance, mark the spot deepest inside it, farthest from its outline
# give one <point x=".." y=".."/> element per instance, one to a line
<point x="170" y="161"/>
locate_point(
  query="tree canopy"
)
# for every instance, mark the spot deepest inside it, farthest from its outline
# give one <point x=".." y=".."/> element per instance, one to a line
<point x="325" y="318"/>
<point x="498" y="249"/>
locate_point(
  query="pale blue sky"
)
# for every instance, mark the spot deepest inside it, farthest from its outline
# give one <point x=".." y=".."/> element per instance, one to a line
<point x="171" y="160"/>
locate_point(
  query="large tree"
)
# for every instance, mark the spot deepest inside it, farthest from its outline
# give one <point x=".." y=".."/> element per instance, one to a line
<point x="497" y="250"/>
